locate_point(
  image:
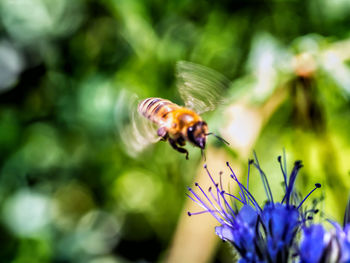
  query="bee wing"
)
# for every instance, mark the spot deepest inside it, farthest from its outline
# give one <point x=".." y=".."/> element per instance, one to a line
<point x="201" y="88"/>
<point x="139" y="132"/>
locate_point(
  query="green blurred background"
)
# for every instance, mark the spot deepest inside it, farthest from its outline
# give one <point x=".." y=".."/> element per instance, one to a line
<point x="73" y="190"/>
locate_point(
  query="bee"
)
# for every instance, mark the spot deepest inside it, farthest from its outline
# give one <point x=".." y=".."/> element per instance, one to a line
<point x="201" y="88"/>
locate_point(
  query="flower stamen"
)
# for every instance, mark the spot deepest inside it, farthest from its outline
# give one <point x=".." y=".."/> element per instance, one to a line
<point x="316" y="187"/>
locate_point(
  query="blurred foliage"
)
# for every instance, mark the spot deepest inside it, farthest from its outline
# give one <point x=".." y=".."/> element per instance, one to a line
<point x="69" y="192"/>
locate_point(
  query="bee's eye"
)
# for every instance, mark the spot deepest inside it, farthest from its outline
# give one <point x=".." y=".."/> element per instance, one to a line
<point x="190" y="134"/>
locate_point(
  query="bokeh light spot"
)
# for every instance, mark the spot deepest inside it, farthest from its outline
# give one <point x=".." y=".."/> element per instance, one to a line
<point x="26" y="213"/>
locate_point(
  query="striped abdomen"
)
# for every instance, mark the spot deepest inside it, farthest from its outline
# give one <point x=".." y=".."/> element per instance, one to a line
<point x="156" y="109"/>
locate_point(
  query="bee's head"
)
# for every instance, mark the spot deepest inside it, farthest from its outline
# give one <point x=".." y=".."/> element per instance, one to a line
<point x="197" y="134"/>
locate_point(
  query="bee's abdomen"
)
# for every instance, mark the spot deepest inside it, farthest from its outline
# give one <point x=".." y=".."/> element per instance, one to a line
<point x="156" y="109"/>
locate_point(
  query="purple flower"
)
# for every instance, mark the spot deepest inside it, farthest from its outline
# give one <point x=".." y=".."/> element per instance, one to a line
<point x="319" y="245"/>
<point x="314" y="243"/>
<point x="343" y="236"/>
<point x="258" y="234"/>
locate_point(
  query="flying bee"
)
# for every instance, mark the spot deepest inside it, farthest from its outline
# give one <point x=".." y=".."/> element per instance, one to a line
<point x="176" y="124"/>
<point x="201" y="89"/>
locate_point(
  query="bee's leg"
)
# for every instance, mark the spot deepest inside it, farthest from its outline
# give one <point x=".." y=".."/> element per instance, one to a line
<point x="162" y="133"/>
<point x="173" y="144"/>
<point x="181" y="141"/>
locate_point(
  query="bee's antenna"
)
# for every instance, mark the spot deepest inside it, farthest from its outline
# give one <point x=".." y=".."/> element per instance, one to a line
<point x="218" y="137"/>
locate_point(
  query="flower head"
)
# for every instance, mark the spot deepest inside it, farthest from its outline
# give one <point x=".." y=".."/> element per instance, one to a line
<point x="319" y="245"/>
<point x="259" y="234"/>
<point x="314" y="244"/>
<point x="343" y="236"/>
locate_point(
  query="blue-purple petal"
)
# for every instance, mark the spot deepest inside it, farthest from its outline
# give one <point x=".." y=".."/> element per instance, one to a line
<point x="224" y="232"/>
<point x="313" y="244"/>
